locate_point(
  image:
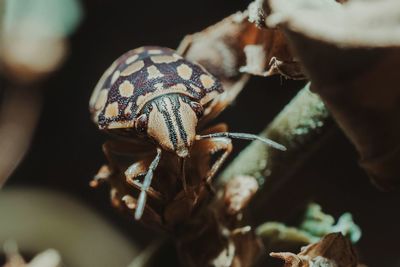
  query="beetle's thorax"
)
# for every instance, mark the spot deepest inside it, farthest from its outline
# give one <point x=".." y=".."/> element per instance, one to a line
<point x="172" y="123"/>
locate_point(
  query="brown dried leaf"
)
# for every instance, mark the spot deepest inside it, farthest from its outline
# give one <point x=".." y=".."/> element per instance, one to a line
<point x="217" y="237"/>
<point x="258" y="12"/>
<point x="235" y="46"/>
<point x="352" y="24"/>
<point x="238" y="192"/>
<point x="351" y="53"/>
<point x="334" y="250"/>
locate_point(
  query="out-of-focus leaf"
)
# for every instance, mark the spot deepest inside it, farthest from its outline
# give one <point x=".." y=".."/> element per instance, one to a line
<point x="334" y="250"/>
<point x="351" y="53"/>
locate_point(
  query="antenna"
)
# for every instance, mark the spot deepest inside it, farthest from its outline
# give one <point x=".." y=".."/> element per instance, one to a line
<point x="244" y="136"/>
<point x="145" y="186"/>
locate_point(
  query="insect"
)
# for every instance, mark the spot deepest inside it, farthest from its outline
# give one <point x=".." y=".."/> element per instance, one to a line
<point x="154" y="101"/>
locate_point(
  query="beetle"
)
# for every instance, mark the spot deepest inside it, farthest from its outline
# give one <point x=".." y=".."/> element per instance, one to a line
<point x="155" y="100"/>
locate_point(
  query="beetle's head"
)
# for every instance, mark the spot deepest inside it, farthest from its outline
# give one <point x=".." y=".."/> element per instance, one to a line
<point x="171" y="121"/>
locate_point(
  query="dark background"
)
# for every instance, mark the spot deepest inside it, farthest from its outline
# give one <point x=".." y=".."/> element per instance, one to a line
<point x="66" y="149"/>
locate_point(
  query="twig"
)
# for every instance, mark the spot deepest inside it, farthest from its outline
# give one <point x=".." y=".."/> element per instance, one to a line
<point x="301" y="127"/>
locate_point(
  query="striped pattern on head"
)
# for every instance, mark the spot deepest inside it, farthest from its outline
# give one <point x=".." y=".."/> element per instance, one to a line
<point x="172" y="123"/>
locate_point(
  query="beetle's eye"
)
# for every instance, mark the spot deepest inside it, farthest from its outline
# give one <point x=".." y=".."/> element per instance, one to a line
<point x="141" y="124"/>
<point x="197" y="108"/>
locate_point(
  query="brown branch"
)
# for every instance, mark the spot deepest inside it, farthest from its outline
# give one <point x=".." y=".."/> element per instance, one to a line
<point x="302" y="126"/>
<point x="333" y="250"/>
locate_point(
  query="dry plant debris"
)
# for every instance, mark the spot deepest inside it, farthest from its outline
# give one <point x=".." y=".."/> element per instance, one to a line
<point x="302" y="126"/>
<point x="351" y="54"/>
<point x="334" y="250"/>
<point x="314" y="225"/>
<point x="219" y="236"/>
<point x="235" y="46"/>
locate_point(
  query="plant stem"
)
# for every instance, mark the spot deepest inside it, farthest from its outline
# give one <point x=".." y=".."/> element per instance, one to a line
<point x="301" y="126"/>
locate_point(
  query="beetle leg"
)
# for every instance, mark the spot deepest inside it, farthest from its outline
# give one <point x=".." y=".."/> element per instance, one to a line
<point x="105" y="171"/>
<point x="102" y="175"/>
<point x="183" y="176"/>
<point x="131" y="203"/>
<point x="112" y="148"/>
<point x="135" y="170"/>
<point x="108" y="153"/>
<point x="115" y="197"/>
<point x="146" y="184"/>
<point x="214" y="145"/>
<point x="139" y="169"/>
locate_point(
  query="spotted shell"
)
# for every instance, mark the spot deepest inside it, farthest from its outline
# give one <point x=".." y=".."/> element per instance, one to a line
<point x="141" y="75"/>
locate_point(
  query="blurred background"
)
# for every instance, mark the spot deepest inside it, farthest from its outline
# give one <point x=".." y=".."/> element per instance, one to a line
<point x="64" y="151"/>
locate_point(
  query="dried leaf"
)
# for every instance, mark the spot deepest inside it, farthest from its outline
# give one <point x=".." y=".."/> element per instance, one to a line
<point x="351" y="53"/>
<point x="334" y="250"/>
<point x="258" y="11"/>
<point x="318" y="224"/>
<point x="353" y="24"/>
<point x="241" y="47"/>
<point x="217" y="237"/>
<point x="315" y="225"/>
<point x="238" y="193"/>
